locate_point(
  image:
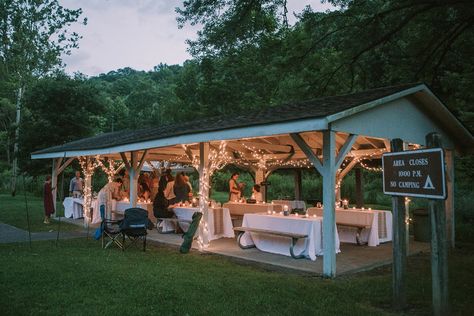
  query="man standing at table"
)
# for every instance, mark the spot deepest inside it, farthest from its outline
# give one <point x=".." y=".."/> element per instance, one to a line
<point x="76" y="185"/>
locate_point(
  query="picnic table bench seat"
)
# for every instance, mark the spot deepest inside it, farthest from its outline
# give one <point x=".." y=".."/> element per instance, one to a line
<point x="359" y="228"/>
<point x="294" y="238"/>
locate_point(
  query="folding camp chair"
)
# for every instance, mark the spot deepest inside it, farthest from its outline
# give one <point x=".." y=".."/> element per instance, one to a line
<point x="134" y="227"/>
<point x="111" y="231"/>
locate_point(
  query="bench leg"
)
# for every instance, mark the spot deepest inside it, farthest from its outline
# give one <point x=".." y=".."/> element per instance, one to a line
<point x="358" y="240"/>
<point x="293" y="244"/>
<point x="160" y="229"/>
<point x="240" y="245"/>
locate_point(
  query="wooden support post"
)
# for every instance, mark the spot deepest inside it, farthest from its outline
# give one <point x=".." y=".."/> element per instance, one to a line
<point x="399" y="243"/>
<point x="259" y="178"/>
<point x="298" y="185"/>
<point x="449" y="203"/>
<point x="87" y="192"/>
<point x="132" y="172"/>
<point x="439" y="245"/>
<point x="358" y="188"/>
<point x="203" y="193"/>
<point x="329" y="199"/>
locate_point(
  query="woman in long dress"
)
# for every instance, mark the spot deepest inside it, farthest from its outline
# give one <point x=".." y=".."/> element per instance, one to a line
<point x="234" y="188"/>
<point x="48" y="199"/>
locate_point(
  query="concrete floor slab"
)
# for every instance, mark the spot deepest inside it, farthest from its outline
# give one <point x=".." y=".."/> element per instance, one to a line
<point x="351" y="259"/>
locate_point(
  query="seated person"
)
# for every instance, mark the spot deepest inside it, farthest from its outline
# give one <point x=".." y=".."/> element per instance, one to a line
<point x="160" y="206"/>
<point x="256" y="194"/>
<point x="144" y="191"/>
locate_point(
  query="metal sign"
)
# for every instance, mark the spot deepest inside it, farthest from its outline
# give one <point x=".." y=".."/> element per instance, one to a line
<point x="417" y="173"/>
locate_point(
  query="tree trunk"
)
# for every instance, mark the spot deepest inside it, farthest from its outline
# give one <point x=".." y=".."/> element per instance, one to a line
<point x="16" y="140"/>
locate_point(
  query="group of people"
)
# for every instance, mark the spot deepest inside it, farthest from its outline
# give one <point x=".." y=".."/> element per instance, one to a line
<point x="236" y="190"/>
<point x="165" y="190"/>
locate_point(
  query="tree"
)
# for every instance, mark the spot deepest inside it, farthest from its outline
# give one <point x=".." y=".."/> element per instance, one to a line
<point x="7" y="127"/>
<point x="33" y="35"/>
<point x="59" y="109"/>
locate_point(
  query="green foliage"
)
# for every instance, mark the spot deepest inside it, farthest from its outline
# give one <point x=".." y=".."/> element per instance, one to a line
<point x="60" y="109"/>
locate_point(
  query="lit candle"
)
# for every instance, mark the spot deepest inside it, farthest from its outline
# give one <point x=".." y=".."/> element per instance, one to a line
<point x="285" y="208"/>
<point x="269" y="212"/>
<point x="370" y="209"/>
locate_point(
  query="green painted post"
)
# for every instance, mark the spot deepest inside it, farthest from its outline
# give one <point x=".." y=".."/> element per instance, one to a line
<point x="439" y="245"/>
<point x="399" y="243"/>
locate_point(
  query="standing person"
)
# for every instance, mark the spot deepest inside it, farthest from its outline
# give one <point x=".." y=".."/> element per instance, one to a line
<point x="76" y="185"/>
<point x="111" y="191"/>
<point x="234" y="188"/>
<point x="48" y="199"/>
<point x="186" y="178"/>
<point x="169" y="192"/>
<point x="181" y="189"/>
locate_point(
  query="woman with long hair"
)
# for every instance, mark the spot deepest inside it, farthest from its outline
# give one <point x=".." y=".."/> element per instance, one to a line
<point x="234" y="188"/>
<point x="181" y="189"/>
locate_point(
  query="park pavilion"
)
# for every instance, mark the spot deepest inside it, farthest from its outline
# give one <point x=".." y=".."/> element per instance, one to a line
<point x="330" y="134"/>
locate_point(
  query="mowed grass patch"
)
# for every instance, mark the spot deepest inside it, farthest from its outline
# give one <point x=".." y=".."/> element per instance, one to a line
<point x="13" y="212"/>
<point x="78" y="278"/>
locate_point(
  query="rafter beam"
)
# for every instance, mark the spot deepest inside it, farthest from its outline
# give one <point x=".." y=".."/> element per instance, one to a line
<point x="308" y="152"/>
<point x="125" y="161"/>
<point x="270" y="147"/>
<point x="345" y="149"/>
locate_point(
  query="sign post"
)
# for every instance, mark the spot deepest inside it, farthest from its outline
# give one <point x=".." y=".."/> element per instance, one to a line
<point x="419" y="173"/>
<point x="399" y="243"/>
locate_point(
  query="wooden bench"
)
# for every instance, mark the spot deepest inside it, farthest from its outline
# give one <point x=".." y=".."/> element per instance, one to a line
<point x="170" y="219"/>
<point x="359" y="228"/>
<point x="294" y="238"/>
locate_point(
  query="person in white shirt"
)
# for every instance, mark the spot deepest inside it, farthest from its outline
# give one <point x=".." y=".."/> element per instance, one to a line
<point x="169" y="190"/>
<point x="111" y="191"/>
<point x="76" y="185"/>
<point x="256" y="194"/>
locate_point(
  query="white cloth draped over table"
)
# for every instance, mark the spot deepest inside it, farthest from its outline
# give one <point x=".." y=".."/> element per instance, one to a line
<point x="291" y="204"/>
<point x="244" y="208"/>
<point x="311" y="226"/>
<point x="73" y="207"/>
<point x="219" y="223"/>
<point x="119" y="207"/>
<point x="380" y="223"/>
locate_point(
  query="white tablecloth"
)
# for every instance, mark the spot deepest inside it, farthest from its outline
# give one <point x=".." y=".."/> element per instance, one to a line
<point x="244" y="208"/>
<point x="291" y="204"/>
<point x="380" y="223"/>
<point x="312" y="246"/>
<point x="186" y="213"/>
<point x="119" y="207"/>
<point x="73" y="207"/>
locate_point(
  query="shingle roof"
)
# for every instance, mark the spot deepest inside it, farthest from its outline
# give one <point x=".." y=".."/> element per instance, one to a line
<point x="288" y="112"/>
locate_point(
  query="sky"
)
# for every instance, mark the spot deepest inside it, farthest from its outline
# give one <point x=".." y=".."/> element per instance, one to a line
<point x="136" y="33"/>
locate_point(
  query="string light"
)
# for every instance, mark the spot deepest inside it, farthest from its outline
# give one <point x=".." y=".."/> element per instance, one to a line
<point x="112" y="168"/>
<point x="88" y="166"/>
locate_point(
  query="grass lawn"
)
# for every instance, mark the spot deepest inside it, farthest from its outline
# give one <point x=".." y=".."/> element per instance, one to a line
<point x="13" y="212"/>
<point x="78" y="278"/>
